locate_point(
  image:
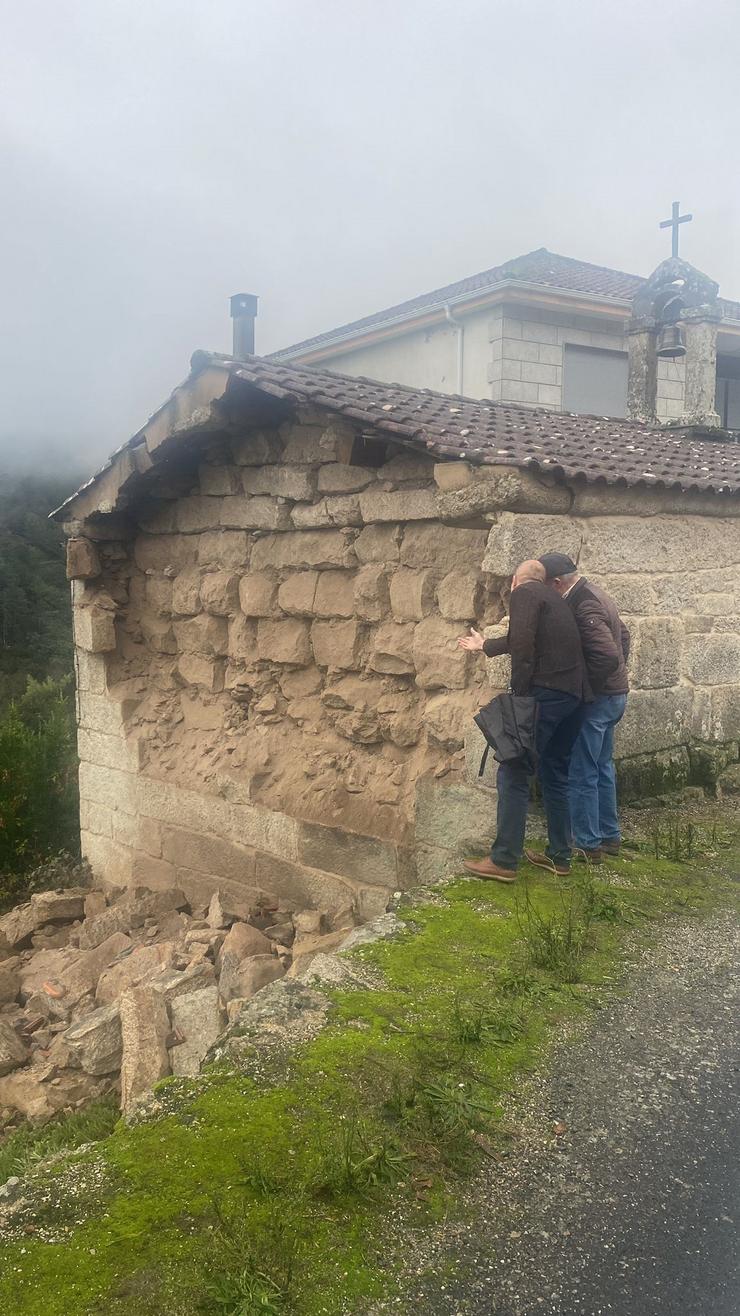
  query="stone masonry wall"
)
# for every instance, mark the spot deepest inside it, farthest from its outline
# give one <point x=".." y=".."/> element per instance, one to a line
<point x="268" y="664"/>
<point x="527" y="352"/>
<point x="270" y="694"/>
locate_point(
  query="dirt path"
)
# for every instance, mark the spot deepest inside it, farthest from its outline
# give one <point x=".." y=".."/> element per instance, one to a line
<point x="632" y="1208"/>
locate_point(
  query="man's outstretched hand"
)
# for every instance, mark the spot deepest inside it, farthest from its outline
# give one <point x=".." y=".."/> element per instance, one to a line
<point x="473" y="642"/>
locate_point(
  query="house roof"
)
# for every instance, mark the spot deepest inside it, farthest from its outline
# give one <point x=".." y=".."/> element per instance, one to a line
<point x="542" y="268"/>
<point x="572" y="447"/>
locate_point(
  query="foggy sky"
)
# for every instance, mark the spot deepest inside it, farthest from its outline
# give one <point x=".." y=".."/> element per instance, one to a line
<point x="333" y="158"/>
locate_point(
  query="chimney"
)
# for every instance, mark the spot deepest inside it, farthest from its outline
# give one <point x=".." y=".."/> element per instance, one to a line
<point x="244" y="314"/>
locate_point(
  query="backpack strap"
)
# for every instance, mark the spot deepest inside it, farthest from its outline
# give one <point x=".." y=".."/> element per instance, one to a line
<point x="482" y="767"/>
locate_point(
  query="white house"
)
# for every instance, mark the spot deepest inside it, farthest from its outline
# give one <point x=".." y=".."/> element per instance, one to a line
<point x="543" y="330"/>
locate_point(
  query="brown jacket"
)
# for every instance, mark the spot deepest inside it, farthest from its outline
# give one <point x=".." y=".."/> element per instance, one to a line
<point x="543" y="641"/>
<point x="604" y="638"/>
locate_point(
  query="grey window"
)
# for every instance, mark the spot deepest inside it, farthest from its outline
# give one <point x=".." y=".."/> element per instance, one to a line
<point x="728" y="391"/>
<point x="594" y="381"/>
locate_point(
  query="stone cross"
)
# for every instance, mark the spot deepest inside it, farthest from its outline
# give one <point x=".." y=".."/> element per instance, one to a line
<point x="673" y="224"/>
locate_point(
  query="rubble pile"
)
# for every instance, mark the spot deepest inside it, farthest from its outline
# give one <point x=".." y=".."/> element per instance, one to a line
<point x="107" y="990"/>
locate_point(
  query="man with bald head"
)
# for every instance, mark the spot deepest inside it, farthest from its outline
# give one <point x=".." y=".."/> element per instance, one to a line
<point x="547" y="663"/>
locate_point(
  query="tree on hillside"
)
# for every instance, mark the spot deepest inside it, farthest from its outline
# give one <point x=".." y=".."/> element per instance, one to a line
<point x="35" y="616"/>
<point x="38" y="781"/>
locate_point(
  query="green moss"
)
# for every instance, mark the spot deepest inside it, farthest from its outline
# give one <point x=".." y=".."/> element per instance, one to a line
<point x="646" y="775"/>
<point x="238" y="1187"/>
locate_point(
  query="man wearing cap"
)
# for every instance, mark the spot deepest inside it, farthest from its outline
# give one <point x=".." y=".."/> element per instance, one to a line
<point x="606" y="645"/>
<point x="546" y="663"/>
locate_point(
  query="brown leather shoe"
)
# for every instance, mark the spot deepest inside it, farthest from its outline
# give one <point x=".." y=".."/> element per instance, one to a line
<point x="485" y="868"/>
<point x="590" y="856"/>
<point x="610" y="848"/>
<point x="543" y="861"/>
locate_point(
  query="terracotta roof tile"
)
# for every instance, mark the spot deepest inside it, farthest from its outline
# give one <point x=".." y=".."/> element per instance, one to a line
<point x="588" y="447"/>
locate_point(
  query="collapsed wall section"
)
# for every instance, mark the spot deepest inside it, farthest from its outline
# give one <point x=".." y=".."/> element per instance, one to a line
<point x="269" y="666"/>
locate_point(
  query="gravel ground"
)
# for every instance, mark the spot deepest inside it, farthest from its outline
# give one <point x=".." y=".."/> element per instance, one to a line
<point x="621" y="1194"/>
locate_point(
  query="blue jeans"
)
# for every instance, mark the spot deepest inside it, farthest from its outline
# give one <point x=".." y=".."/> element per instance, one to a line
<point x="593" y="784"/>
<point x="558" y="723"/>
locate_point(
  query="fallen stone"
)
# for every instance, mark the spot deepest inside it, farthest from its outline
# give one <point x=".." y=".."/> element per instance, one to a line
<point x="95" y="1041"/>
<point x="236" y="901"/>
<point x="59" y="1054"/>
<point x="145" y="1027"/>
<point x="44" y="966"/>
<point x="131" y="912"/>
<point x="143" y="963"/>
<point x="384" y="928"/>
<point x="171" y="983"/>
<point x="59" y="906"/>
<point x="97" y="929"/>
<point x="38" y="1093"/>
<point x="282" y="933"/>
<point x="308" y="945"/>
<point x="283" y="1012"/>
<point x="95" y="903"/>
<point x="84" y="973"/>
<point x="216" y="917"/>
<point x="330" y="969"/>
<point x="45" y="907"/>
<point x="243" y="940"/>
<point x="243" y="979"/>
<point x="145" y="903"/>
<point x="173" y="926"/>
<point x="10" y="1188"/>
<point x="10" y="980"/>
<point x="53" y="937"/>
<point x="310" y="923"/>
<point x="196" y="1018"/>
<point x="13" y="1053"/>
<point x="210" y="938"/>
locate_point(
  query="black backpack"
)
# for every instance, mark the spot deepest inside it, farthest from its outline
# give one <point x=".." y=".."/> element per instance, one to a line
<point x="508" y="724"/>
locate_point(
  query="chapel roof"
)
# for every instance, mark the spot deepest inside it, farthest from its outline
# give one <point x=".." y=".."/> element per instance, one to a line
<point x="571" y="447"/>
<point x="541" y="267"/>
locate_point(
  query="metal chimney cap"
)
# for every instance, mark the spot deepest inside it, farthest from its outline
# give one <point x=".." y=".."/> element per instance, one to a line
<point x="243" y="303"/>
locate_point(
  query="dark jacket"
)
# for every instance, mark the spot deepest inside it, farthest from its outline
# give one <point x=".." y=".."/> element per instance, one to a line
<point x="604" y="638"/>
<point x="543" y="641"/>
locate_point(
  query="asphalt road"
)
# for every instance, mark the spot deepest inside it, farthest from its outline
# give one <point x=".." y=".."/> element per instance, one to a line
<point x="623" y="1194"/>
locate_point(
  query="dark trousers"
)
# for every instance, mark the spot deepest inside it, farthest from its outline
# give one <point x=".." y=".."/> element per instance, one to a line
<point x="558" y="724"/>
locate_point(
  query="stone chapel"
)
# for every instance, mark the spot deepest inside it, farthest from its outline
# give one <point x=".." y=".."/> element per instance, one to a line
<point x="270" y="577"/>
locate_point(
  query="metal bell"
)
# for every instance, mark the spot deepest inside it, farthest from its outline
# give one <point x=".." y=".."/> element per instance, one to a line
<point x="671" y="341"/>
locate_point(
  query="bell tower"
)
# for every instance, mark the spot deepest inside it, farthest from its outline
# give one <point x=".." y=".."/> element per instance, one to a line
<point x="674" y="319"/>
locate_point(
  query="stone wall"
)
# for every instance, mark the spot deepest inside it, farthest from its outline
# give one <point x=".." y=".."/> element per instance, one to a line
<point x="267" y="664"/>
<point x="270" y="692"/>
<point x="527" y="351"/>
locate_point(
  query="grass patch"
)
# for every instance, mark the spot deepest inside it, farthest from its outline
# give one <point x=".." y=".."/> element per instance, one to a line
<point x="26" y="1147"/>
<point x="288" y="1197"/>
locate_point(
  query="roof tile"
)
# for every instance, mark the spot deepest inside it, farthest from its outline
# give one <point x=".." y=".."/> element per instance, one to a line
<point x="589" y="447"/>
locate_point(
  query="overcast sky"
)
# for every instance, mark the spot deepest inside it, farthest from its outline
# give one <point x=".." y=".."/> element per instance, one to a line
<point x="333" y="158"/>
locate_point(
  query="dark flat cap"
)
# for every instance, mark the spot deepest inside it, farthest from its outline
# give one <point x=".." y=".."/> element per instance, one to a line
<point x="557" y="564"/>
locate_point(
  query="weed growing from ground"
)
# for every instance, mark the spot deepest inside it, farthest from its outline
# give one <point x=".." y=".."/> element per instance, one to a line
<point x="359" y="1159"/>
<point x="29" y="1145"/>
<point x="245" y="1293"/>
<point x="557" y="942"/>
